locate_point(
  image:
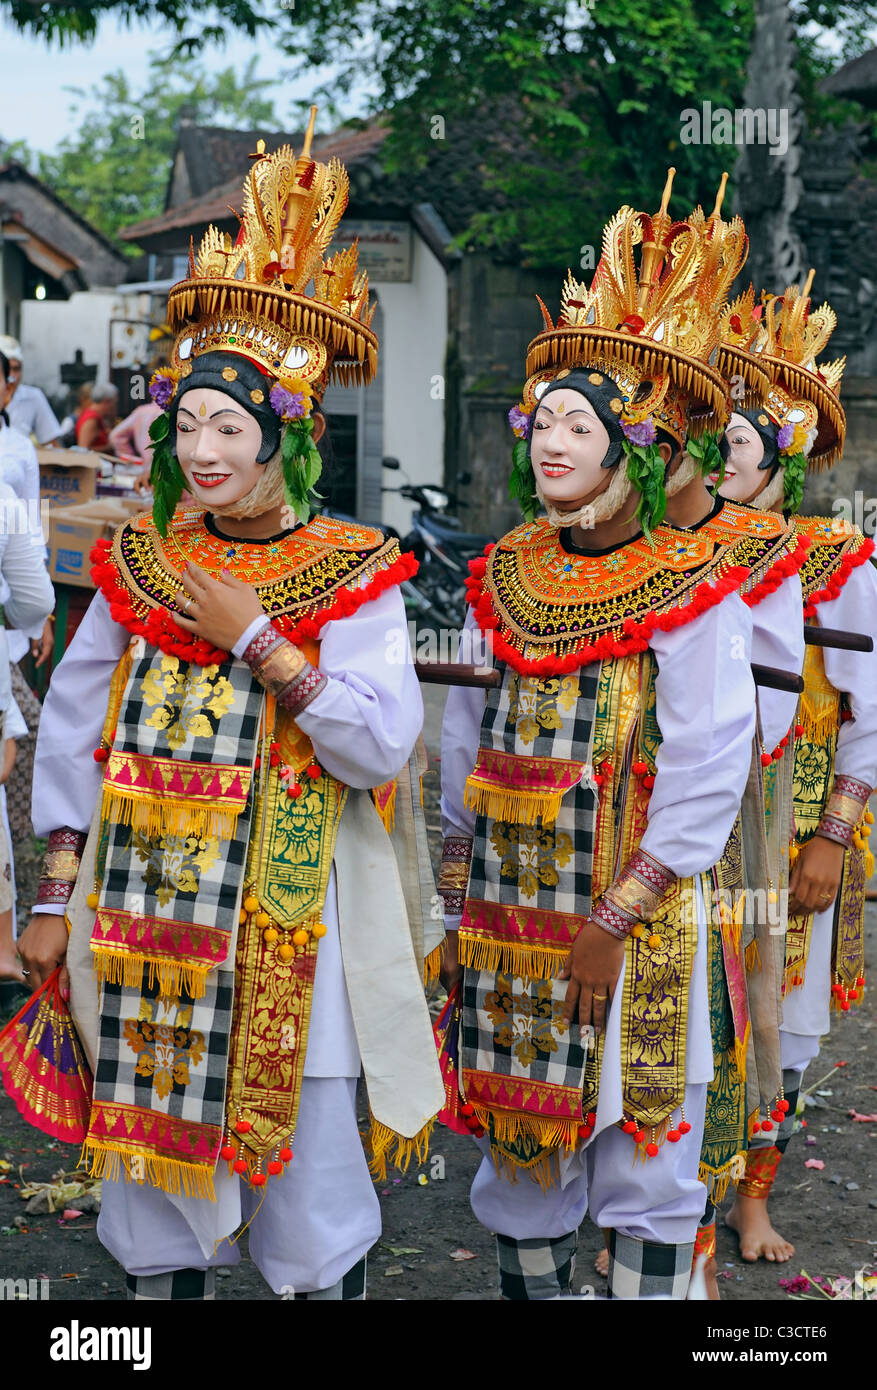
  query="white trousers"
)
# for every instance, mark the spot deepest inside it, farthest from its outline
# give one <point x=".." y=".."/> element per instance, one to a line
<point x="310" y="1227"/>
<point x="659" y="1199"/>
<point x="806" y="1015"/>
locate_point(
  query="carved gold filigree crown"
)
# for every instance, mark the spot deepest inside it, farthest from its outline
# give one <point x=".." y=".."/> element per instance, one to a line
<point x="650" y="318"/>
<point x="250" y="296"/>
<point x="802" y="394"/>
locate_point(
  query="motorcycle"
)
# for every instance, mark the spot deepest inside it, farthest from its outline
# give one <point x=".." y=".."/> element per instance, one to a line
<point x="441" y="547"/>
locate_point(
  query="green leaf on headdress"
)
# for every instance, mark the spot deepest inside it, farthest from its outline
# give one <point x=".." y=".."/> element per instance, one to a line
<point x="522" y="483"/>
<point x="645" y="469"/>
<point x="160" y="428"/>
<point x="795" y="466"/>
<point x="302" y="466"/>
<point x="706" y="450"/>
<point x="165" y="475"/>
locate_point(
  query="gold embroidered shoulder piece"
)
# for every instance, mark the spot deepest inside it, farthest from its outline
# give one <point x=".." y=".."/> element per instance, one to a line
<point x="836" y="549"/>
<point x="550" y="611"/>
<point x="304" y="579"/>
<point x="770" y="546"/>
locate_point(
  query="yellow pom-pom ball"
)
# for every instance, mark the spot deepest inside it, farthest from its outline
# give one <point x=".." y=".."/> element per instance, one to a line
<point x="772" y="897"/>
<point x="300" y="938"/>
<point x="869" y="817"/>
<point x="251" y="904"/>
<point x="242" y="916"/>
<point x="318" y="930"/>
<point x="655" y="941"/>
<point x="93" y="899"/>
<point x="794" y="851"/>
<point x="270" y="935"/>
<point x="285" y="952"/>
<point x="262" y="919"/>
<point x="638" y="931"/>
<point x="858" y="841"/>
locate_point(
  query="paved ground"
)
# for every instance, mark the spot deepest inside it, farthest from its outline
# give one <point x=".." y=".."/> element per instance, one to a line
<point x="830" y="1213"/>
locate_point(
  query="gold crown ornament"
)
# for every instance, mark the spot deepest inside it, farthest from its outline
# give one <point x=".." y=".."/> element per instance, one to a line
<point x="274" y="298"/>
<point x="803" y="399"/>
<point x="650" y="324"/>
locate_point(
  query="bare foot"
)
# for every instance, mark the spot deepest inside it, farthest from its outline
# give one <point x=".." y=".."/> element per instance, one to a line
<point x="601" y="1264"/>
<point x="748" y="1217"/>
<point x="10" y="968"/>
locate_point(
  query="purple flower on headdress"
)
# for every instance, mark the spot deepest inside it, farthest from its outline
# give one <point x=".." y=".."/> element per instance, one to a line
<point x="643" y="432"/>
<point x="161" y="389"/>
<point x="785" y="436"/>
<point x="519" y="420"/>
<point x="289" y="405"/>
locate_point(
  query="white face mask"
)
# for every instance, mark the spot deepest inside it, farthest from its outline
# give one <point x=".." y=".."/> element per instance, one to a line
<point x="744" y="480"/>
<point x="217" y="443"/>
<point x="567" y="449"/>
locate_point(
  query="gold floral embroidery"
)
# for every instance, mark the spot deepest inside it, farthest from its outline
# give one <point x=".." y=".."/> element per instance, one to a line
<point x="535" y="704"/>
<point x="185" y="701"/>
<point x="164" y="1051"/>
<point x="529" y="854"/>
<point x="174" y="863"/>
<point x="523" y="1022"/>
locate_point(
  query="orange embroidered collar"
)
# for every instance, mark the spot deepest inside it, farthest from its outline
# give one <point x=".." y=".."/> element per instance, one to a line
<point x="550" y="611"/>
<point x="304" y="578"/>
<point x="771" y="547"/>
<point x="836" y="549"/>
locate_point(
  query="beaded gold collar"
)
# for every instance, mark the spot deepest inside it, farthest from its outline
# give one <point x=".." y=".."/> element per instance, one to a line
<point x="550" y="611"/>
<point x="836" y="549"/>
<point x="303" y="578"/>
<point x="765" y="542"/>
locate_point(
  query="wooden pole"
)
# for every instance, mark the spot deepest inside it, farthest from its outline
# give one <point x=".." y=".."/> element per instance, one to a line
<point x="454" y="673"/>
<point x="836" y="637"/>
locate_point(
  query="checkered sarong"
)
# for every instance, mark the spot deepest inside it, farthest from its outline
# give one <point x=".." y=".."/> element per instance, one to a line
<point x="176" y="824"/>
<point x="529" y="892"/>
<point x="175" y="812"/>
<point x="643" y="1269"/>
<point x="536" y="1269"/>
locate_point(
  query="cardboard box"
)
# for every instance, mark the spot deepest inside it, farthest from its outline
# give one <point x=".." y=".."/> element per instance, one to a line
<point x="68" y="476"/>
<point x="73" y="531"/>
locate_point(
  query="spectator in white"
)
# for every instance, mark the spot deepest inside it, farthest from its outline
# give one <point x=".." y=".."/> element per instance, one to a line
<point x="20" y="469"/>
<point x="28" y="410"/>
<point x="27" y="598"/>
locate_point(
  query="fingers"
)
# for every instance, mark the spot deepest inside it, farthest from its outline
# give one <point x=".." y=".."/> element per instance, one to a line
<point x="64" y="984"/>
<point x="586" y="1005"/>
<point x="569" y="1003"/>
<point x="599" y="1004"/>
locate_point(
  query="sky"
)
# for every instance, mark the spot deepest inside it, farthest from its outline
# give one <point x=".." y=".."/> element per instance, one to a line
<point x="34" y="106"/>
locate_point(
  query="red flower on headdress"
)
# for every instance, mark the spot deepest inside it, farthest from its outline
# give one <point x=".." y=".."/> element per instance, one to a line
<point x="634" y="322"/>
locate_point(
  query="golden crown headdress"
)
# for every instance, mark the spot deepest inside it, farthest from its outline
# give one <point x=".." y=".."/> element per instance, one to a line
<point x="651" y="324"/>
<point x="726" y="247"/>
<point x="250" y="296"/>
<point x="802" y="396"/>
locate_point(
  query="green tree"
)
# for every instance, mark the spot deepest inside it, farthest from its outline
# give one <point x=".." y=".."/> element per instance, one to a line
<point x="113" y="169"/>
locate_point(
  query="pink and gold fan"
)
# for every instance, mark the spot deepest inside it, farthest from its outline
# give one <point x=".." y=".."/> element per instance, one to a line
<point x="44" y="1068"/>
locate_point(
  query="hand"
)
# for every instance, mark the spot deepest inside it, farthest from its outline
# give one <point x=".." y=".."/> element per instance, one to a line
<point x="451" y="969"/>
<point x="41" y="647"/>
<point x="815" y="876"/>
<point x="9" y="751"/>
<point x="592" y="968"/>
<point x="221" y="609"/>
<point x="43" y="946"/>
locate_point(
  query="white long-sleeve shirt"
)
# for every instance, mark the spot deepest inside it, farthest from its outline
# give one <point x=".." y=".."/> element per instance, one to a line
<point x="855" y="673"/>
<point x="26" y="592"/>
<point x="20" y="468"/>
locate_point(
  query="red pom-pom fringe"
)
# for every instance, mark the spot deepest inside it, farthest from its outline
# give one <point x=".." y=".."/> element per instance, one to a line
<point x="849" y="563"/>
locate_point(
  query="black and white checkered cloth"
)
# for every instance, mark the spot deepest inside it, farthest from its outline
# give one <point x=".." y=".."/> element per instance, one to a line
<point x="178" y="1285"/>
<point x="535" y="1269"/>
<point x="349" y="1289"/>
<point x="643" y="1269"/>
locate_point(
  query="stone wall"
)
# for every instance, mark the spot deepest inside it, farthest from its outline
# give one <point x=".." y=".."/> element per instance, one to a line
<point x="493" y="315"/>
<point x="835" y="492"/>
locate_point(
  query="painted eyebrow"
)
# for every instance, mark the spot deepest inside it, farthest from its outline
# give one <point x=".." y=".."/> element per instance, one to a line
<point x="227" y="410"/>
<point x="578" y="411"/>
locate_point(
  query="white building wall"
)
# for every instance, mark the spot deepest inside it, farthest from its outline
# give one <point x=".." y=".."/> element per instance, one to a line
<point x="412" y="358"/>
<point x="52" y="330"/>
